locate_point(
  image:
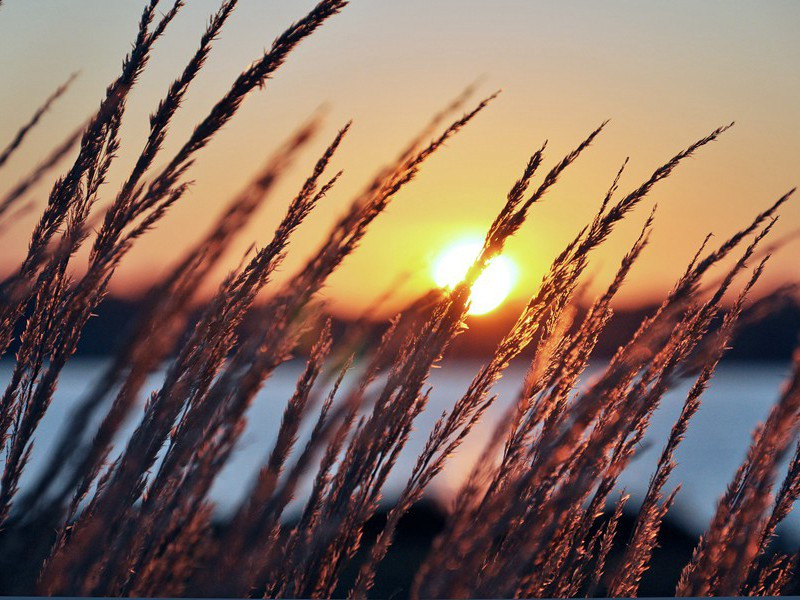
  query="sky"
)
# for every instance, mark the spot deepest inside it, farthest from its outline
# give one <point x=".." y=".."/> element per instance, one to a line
<point x="664" y="73"/>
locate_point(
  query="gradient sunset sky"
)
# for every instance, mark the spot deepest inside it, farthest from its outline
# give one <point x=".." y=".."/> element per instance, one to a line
<point x="665" y="73"/>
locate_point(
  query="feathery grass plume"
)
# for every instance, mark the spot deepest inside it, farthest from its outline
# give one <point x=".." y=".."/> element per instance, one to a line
<point x="403" y="389"/>
<point x="696" y="323"/>
<point x="774" y="577"/>
<point x="574" y="549"/>
<point x="103" y="259"/>
<point x="156" y="198"/>
<point x="606" y="540"/>
<point x="528" y="520"/>
<point x="15" y="143"/>
<point x="66" y="192"/>
<point x="652" y="333"/>
<point x="104" y="256"/>
<point x="247" y="283"/>
<point x="192" y="424"/>
<point x="253" y="516"/>
<point x="118" y="214"/>
<point x="109" y="249"/>
<point x="344" y="237"/>
<point x="256" y="515"/>
<point x="163" y="319"/>
<point x="784" y="500"/>
<point x="111" y="243"/>
<point x="258" y="362"/>
<point x="26" y="396"/>
<point x="643" y="538"/>
<point x="195" y="366"/>
<point x="460" y="415"/>
<point x="253" y="76"/>
<point x="363" y="211"/>
<point x="575" y="253"/>
<point x="573" y="356"/>
<point x="451" y="430"/>
<point x="100" y="132"/>
<point x="722" y="560"/>
<point x="333" y="425"/>
<point x="492" y="509"/>
<point x="512" y="422"/>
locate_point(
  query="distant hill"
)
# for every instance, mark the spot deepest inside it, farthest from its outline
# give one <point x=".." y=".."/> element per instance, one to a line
<point x="770" y="337"/>
<point x="767" y="337"/>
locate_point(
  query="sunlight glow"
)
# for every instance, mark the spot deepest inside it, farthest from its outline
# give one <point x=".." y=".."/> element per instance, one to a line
<point x="491" y="288"/>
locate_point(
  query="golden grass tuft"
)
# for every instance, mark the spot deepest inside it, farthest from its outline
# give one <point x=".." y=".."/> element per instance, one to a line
<point x="528" y="521"/>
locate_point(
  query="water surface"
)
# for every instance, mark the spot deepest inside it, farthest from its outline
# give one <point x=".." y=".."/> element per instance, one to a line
<point x="740" y="396"/>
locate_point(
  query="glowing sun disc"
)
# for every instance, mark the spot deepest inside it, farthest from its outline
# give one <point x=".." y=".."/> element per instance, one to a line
<point x="491" y="288"/>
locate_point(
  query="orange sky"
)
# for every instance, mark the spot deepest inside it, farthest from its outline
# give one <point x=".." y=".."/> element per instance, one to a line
<point x="664" y="73"/>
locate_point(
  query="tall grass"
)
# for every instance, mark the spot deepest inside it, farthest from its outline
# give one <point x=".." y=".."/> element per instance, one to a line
<point x="530" y="520"/>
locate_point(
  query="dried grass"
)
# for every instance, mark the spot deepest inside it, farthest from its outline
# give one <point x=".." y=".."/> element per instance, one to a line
<point x="528" y="521"/>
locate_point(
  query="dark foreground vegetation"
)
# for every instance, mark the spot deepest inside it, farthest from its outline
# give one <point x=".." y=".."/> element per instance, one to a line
<point x="540" y="514"/>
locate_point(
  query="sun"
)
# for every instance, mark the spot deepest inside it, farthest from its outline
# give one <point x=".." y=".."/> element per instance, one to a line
<point x="491" y="288"/>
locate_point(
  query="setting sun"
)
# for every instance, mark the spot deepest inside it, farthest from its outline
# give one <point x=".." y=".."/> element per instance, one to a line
<point x="491" y="288"/>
